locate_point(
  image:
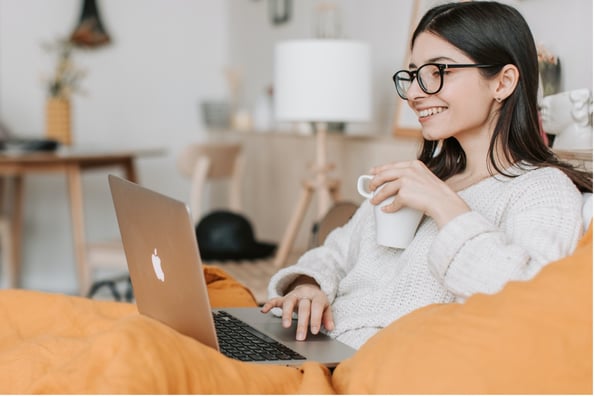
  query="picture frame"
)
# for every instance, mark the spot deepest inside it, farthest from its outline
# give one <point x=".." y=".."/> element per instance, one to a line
<point x="405" y="120"/>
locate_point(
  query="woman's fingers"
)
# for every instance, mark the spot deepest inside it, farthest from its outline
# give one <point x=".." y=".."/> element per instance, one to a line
<point x="389" y="189"/>
<point x="409" y="183"/>
<point x="303" y="318"/>
<point x="393" y="205"/>
<point x="390" y="166"/>
<point x="289" y="305"/>
<point x="327" y="319"/>
<point x="317" y="309"/>
<point x="271" y="303"/>
<point x="385" y="174"/>
<point x="313" y="311"/>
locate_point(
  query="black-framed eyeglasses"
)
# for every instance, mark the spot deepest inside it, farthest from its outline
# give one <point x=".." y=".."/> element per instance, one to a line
<point x="430" y="76"/>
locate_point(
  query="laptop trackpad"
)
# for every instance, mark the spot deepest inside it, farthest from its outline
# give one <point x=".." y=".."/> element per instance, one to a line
<point x="288" y="334"/>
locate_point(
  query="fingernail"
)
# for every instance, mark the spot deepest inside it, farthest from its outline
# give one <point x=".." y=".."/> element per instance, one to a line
<point x="286" y="322"/>
<point x="300" y="335"/>
<point x="314" y="330"/>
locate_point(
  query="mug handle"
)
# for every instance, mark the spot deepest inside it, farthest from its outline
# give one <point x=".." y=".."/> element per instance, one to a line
<point x="362" y="183"/>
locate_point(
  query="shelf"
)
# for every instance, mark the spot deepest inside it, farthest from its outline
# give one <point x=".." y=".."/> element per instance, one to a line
<point x="580" y="154"/>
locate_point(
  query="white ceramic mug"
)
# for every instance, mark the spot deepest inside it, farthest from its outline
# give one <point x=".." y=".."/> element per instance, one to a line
<point x="395" y="229"/>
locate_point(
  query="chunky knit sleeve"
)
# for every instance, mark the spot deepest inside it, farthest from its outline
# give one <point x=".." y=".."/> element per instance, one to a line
<point x="329" y="263"/>
<point x="540" y="223"/>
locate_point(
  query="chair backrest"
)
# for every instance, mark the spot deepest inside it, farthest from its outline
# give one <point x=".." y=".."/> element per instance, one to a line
<point x="336" y="216"/>
<point x="202" y="162"/>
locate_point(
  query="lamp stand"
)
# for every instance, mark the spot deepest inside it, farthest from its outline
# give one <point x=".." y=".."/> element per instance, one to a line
<point x="326" y="189"/>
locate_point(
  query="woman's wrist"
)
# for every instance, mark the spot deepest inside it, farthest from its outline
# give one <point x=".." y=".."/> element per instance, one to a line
<point x="449" y="208"/>
<point x="301" y="280"/>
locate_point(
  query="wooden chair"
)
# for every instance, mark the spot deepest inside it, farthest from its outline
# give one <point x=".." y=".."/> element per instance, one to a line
<point x="337" y="215"/>
<point x="208" y="162"/>
<point x="108" y="255"/>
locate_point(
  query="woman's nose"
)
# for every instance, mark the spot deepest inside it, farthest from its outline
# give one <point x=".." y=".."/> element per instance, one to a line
<point x="414" y="90"/>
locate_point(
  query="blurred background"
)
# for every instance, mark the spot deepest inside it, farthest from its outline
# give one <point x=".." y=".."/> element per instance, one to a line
<point x="166" y="58"/>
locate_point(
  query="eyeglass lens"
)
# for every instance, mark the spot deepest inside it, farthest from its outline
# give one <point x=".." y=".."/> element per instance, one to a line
<point x="429" y="78"/>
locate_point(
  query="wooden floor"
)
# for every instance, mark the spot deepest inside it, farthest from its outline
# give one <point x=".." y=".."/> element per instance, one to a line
<point x="253" y="274"/>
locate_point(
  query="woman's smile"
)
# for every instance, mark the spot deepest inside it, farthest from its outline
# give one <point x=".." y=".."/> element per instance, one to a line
<point x="425" y="113"/>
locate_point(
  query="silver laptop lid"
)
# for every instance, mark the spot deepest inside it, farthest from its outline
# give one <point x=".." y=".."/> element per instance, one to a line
<point x="163" y="259"/>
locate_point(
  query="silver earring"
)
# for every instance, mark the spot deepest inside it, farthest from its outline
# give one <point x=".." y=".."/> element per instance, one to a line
<point x="498" y="100"/>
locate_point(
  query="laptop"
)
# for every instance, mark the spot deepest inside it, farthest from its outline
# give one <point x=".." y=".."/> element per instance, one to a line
<point x="167" y="278"/>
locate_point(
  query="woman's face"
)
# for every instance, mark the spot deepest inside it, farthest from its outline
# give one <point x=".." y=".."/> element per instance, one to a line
<point x="464" y="105"/>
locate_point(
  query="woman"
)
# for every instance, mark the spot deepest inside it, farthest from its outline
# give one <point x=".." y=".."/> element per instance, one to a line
<point x="498" y="204"/>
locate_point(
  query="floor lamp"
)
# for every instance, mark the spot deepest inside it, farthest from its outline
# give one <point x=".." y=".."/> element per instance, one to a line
<point x="319" y="81"/>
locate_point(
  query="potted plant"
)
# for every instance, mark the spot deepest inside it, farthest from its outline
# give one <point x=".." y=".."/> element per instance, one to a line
<point x="60" y="86"/>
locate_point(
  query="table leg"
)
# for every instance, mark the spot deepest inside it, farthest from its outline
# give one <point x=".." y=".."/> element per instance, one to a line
<point x="17" y="228"/>
<point x="75" y="190"/>
<point x="130" y="170"/>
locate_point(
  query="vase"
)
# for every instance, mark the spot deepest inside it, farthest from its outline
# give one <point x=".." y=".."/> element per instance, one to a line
<point x="58" y="120"/>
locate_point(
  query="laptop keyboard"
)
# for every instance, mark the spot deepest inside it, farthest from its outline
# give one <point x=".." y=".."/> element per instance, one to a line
<point x="240" y="341"/>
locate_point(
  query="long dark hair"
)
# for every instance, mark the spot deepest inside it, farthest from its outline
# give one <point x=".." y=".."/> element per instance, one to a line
<point x="496" y="34"/>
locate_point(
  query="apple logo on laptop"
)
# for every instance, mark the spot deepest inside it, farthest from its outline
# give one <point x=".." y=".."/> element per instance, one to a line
<point x="157" y="266"/>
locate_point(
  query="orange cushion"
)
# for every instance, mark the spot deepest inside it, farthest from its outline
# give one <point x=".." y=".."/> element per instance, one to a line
<point x="533" y="337"/>
<point x="225" y="291"/>
<point x="58" y="344"/>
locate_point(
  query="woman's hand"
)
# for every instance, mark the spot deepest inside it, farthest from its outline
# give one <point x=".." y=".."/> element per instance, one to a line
<point x="310" y="304"/>
<point x="413" y="185"/>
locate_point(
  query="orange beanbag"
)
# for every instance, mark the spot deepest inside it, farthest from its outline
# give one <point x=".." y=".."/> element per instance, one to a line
<point x="533" y="337"/>
<point x="225" y="291"/>
<point x="59" y="344"/>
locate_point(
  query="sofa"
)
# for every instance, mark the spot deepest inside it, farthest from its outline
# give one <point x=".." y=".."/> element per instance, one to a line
<point x="533" y="337"/>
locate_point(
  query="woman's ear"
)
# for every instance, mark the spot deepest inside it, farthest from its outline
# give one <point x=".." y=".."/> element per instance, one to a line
<point x="506" y="82"/>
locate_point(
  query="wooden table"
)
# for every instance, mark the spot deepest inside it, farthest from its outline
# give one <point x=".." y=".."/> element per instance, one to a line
<point x="71" y="161"/>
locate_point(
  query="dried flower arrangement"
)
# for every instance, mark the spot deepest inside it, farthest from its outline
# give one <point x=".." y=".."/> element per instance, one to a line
<point x="549" y="70"/>
<point x="67" y="76"/>
<point x="545" y="56"/>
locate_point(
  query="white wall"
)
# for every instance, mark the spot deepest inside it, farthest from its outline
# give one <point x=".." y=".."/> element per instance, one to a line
<point x="143" y="89"/>
<point x="166" y="57"/>
<point x="384" y="24"/>
<point x="564" y="26"/>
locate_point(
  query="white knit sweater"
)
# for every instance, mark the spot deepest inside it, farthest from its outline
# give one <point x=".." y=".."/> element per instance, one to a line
<point x="516" y="226"/>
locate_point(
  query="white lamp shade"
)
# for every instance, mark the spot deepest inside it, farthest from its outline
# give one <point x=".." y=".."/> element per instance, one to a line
<point x="322" y="81"/>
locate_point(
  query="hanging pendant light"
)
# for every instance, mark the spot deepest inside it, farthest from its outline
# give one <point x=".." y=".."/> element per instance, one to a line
<point x="89" y="31"/>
